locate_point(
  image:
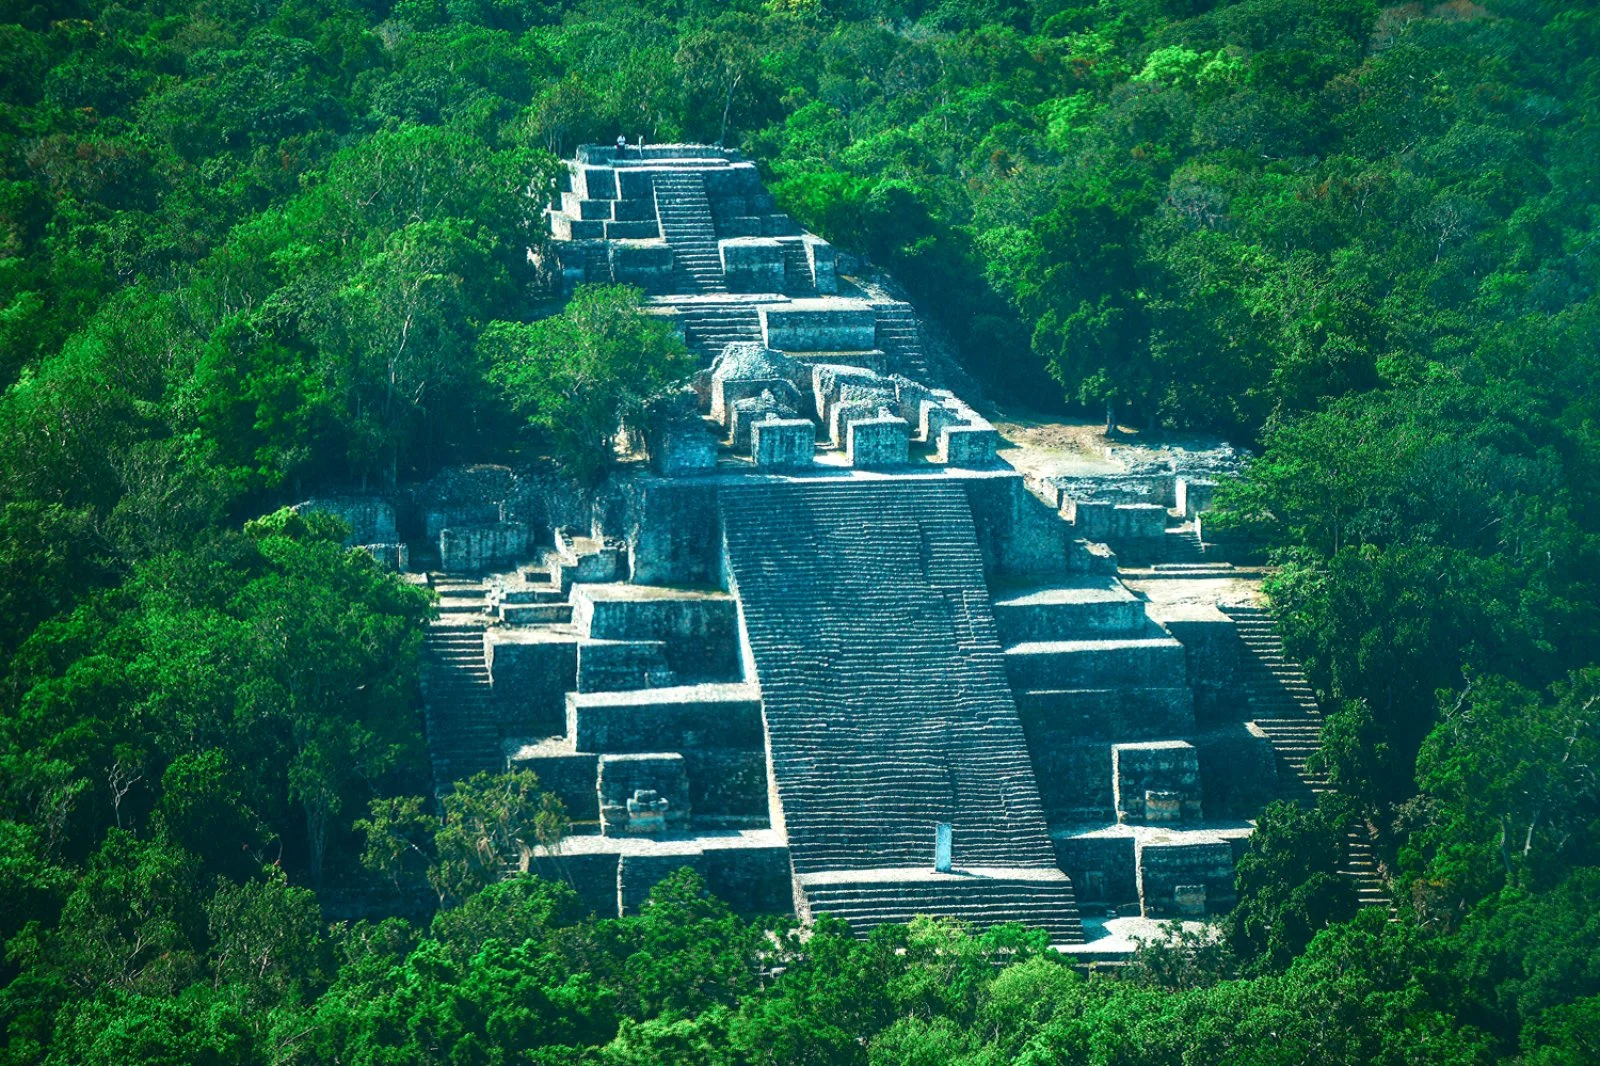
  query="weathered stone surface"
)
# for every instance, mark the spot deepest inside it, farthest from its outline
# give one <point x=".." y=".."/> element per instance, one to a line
<point x="968" y="445"/>
<point x="370" y="518"/>
<point x="1238" y="771"/>
<point x="624" y="777"/>
<point x="470" y="549"/>
<point x="877" y="442"/>
<point x="747" y="370"/>
<point x="820" y="325"/>
<point x="821" y="256"/>
<point x="1211" y="647"/>
<point x="780" y="401"/>
<point x="645" y="264"/>
<point x="752" y="264"/>
<point x="531" y="671"/>
<point x="1156" y="781"/>
<point x="700" y="628"/>
<point x="1170" y="872"/>
<point x="1102" y="866"/>
<point x="677" y="438"/>
<point x="783" y="443"/>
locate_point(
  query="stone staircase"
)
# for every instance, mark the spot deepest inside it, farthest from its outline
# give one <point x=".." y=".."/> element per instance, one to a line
<point x="1287" y="713"/>
<point x="1183" y="546"/>
<point x="711" y="327"/>
<point x="797" y="280"/>
<point x="458" y="701"/>
<point x="684" y="213"/>
<point x="899" y="338"/>
<point x="870" y="898"/>
<point x="887" y="704"/>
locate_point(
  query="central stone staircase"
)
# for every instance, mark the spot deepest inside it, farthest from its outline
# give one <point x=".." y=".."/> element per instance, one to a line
<point x="887" y="705"/>
<point x="684" y="213"/>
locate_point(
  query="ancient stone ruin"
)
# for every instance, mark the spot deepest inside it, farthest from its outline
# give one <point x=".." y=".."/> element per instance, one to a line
<point x="828" y="648"/>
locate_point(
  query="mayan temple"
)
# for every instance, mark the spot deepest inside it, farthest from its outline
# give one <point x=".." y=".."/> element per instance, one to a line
<point x="828" y="647"/>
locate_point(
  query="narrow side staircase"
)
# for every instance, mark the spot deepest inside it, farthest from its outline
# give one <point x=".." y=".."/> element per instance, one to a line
<point x="899" y="338"/>
<point x="1286" y="711"/>
<point x="458" y="702"/>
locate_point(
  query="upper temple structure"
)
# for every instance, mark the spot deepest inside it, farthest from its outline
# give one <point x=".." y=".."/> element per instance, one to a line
<point x="827" y="625"/>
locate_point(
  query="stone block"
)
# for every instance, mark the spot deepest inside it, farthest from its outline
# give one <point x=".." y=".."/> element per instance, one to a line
<point x="1156" y="781"/>
<point x="1102" y="866"/>
<point x="564" y="228"/>
<point x="636" y="185"/>
<point x="644" y="229"/>
<point x="576" y="206"/>
<point x="643" y="794"/>
<point x="618" y="665"/>
<point x="880" y="441"/>
<point x="1018" y="537"/>
<point x="828" y="324"/>
<point x="531" y="672"/>
<point x="752" y="264"/>
<point x="1121" y="713"/>
<point x="638" y="874"/>
<point x="728" y="787"/>
<point x="751" y="881"/>
<point x="459" y="514"/>
<point x="1077" y="610"/>
<point x="779" y="225"/>
<point x="747" y="369"/>
<point x="1157" y="487"/>
<point x="1138" y="521"/>
<point x="700" y="630"/>
<point x="573" y="776"/>
<point x="780" y="401"/>
<point x="594" y="183"/>
<point x="673" y="539"/>
<point x="1211" y="649"/>
<point x="1177" y="876"/>
<point x="592" y="875"/>
<point x="740" y="226"/>
<point x="685" y="717"/>
<point x="735" y="179"/>
<point x="1152" y="662"/>
<point x="647" y="265"/>
<point x="682" y="448"/>
<point x="1238" y="770"/>
<point x="473" y="549"/>
<point x="1091" y="518"/>
<point x="1074" y="776"/>
<point x="934" y="416"/>
<point x="968" y="445"/>
<point x="845" y="411"/>
<point x="782" y="443"/>
<point x="828" y="378"/>
<point x="642" y="209"/>
<point x="371" y="519"/>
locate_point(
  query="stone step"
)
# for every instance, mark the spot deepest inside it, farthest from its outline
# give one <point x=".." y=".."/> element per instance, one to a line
<point x="525" y="614"/>
<point x="1058" y="664"/>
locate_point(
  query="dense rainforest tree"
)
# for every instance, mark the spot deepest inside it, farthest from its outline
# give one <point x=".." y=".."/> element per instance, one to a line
<point x="249" y="252"/>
